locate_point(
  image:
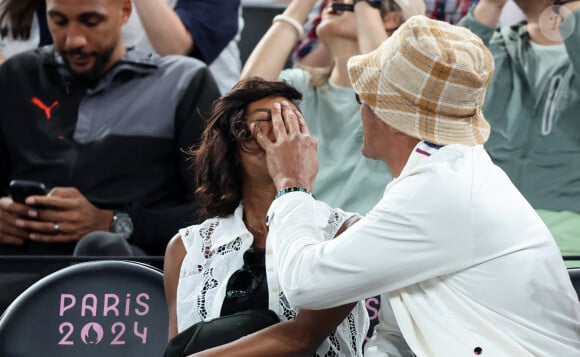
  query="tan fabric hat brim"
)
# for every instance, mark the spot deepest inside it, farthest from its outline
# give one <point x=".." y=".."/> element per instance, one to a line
<point x="428" y="80"/>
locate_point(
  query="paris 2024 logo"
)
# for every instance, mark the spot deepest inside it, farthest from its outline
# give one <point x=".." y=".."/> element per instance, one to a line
<point x="111" y="319"/>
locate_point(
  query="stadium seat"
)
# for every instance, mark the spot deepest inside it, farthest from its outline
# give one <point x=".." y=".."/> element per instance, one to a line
<point x="103" y="308"/>
<point x="257" y="20"/>
<point x="575" y="278"/>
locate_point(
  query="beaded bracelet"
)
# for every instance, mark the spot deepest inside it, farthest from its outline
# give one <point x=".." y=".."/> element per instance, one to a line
<point x="292" y="189"/>
<point x="290" y="21"/>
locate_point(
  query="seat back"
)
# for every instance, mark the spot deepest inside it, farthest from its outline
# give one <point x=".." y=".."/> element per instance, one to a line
<point x="257" y="20"/>
<point x="103" y="308"/>
<point x="575" y="278"/>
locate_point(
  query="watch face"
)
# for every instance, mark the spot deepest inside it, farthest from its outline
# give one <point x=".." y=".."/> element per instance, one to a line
<point x="122" y="224"/>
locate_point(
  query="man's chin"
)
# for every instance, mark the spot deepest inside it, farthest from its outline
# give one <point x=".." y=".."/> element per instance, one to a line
<point x="83" y="70"/>
<point x="83" y="73"/>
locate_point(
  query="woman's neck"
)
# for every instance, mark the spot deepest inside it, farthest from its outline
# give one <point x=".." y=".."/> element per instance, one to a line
<point x="342" y="50"/>
<point x="256" y="202"/>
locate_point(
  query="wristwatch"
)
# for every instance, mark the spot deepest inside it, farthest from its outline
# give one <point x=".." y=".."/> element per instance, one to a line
<point x="373" y="3"/>
<point x="122" y="223"/>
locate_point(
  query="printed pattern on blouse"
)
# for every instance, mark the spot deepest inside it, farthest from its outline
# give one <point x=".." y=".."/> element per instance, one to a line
<point x="208" y="265"/>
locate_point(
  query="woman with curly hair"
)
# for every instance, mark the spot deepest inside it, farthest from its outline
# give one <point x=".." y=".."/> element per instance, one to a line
<point x="224" y="265"/>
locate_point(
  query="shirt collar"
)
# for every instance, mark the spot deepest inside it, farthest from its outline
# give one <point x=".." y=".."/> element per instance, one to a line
<point x="230" y="228"/>
<point x="421" y="153"/>
<point x="133" y="61"/>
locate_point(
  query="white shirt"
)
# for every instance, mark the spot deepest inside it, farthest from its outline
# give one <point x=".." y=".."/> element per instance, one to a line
<point x="460" y="258"/>
<point x="214" y="251"/>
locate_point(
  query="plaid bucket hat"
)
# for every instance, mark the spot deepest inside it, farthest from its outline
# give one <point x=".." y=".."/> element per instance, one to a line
<point x="428" y="80"/>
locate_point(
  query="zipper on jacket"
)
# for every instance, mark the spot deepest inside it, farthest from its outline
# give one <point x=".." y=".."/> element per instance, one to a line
<point x="550" y="106"/>
<point x="67" y="86"/>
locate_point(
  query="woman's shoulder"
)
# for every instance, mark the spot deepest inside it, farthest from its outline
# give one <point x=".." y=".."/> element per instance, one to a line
<point x="213" y="231"/>
<point x="205" y="229"/>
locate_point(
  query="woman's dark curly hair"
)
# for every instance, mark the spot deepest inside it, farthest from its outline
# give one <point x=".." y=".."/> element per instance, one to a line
<point x="218" y="175"/>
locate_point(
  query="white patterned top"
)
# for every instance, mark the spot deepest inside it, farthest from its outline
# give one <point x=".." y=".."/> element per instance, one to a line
<point x="214" y="251"/>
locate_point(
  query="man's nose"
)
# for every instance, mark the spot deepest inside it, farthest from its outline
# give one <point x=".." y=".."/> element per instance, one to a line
<point x="75" y="39"/>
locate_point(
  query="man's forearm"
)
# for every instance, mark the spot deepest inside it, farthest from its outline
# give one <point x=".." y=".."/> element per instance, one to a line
<point x="164" y="28"/>
<point x="370" y="27"/>
<point x="572" y="6"/>
<point x="488" y="12"/>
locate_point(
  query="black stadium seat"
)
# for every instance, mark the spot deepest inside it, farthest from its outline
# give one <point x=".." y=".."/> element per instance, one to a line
<point x="257" y="20"/>
<point x="103" y="308"/>
<point x="575" y="277"/>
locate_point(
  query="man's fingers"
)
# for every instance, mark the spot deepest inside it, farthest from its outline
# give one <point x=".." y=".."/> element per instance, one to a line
<point x="304" y="129"/>
<point x="52" y="238"/>
<point x="14" y="232"/>
<point x="315" y="142"/>
<point x="49" y="227"/>
<point x="6" y="239"/>
<point x="260" y="137"/>
<point x="278" y="125"/>
<point x="290" y="118"/>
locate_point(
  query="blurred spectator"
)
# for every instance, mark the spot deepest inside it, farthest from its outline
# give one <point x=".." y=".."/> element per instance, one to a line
<point x="532" y="105"/>
<point x="20" y="24"/>
<point x="448" y="10"/>
<point x="105" y="130"/>
<point x="205" y="29"/>
<point x="309" y="50"/>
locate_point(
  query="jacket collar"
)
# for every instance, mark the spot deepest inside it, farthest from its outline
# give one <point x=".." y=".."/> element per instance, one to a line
<point x="133" y="63"/>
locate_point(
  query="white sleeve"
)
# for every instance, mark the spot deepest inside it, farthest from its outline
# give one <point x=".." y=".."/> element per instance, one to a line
<point x="406" y="238"/>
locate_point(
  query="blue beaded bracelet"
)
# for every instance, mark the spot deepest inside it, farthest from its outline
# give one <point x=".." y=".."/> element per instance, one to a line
<point x="292" y="189"/>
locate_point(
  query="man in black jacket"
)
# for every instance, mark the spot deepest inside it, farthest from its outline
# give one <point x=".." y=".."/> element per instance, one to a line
<point x="104" y="128"/>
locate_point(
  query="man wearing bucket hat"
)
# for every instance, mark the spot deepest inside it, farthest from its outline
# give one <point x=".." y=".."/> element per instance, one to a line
<point x="463" y="263"/>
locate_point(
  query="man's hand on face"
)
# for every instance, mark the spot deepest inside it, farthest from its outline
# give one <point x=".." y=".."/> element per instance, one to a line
<point x="291" y="157"/>
<point x="63" y="215"/>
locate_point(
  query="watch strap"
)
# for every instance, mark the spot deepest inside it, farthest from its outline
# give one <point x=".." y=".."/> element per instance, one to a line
<point x="373" y="3"/>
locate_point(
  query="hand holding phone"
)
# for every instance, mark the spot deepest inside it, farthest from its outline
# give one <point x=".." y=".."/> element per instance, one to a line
<point x="20" y="189"/>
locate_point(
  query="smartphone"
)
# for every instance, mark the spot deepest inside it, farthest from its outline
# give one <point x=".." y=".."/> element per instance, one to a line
<point x="20" y="189"/>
